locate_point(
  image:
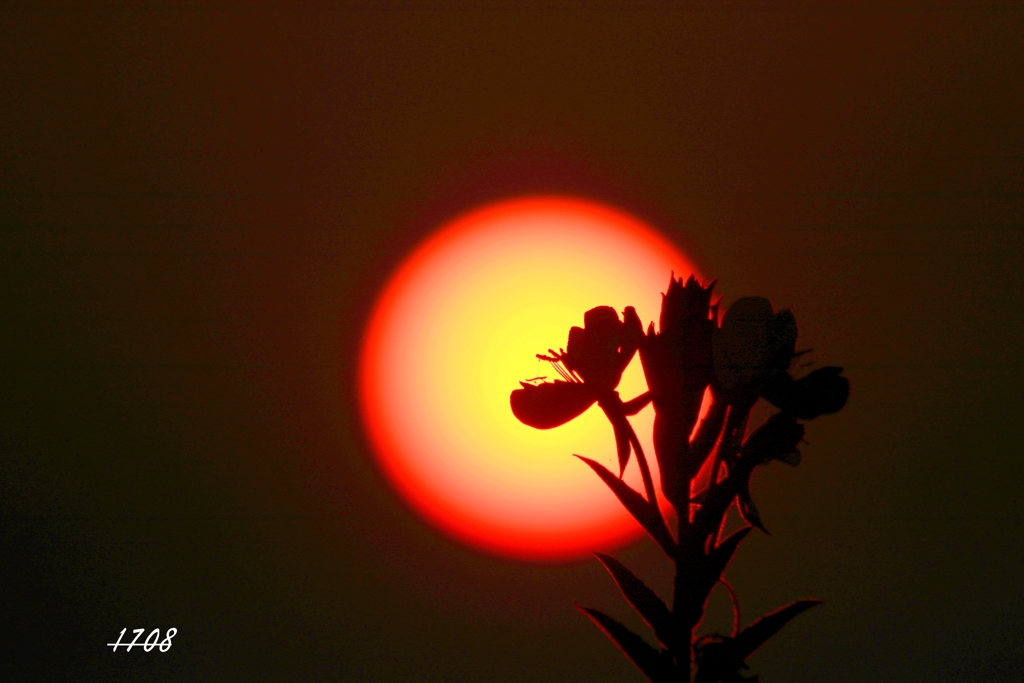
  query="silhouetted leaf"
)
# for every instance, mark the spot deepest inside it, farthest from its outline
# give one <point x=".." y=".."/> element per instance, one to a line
<point x="656" y="665"/>
<point x="710" y="429"/>
<point x="621" y="430"/>
<point x="637" y="404"/>
<point x="642" y="598"/>
<point x="723" y="552"/>
<point x="647" y="514"/>
<point x="753" y="636"/>
<point x="749" y="510"/>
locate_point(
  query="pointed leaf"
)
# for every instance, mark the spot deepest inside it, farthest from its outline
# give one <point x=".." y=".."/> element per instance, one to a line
<point x="637" y="404"/>
<point x="749" y="510"/>
<point x="621" y="429"/>
<point x="642" y="598"/>
<point x="753" y="636"/>
<point x="655" y="664"/>
<point x="648" y="515"/>
<point x="721" y="554"/>
<point x="710" y="429"/>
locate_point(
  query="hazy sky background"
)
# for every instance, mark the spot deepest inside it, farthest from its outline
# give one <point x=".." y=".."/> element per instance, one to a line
<point x="199" y="201"/>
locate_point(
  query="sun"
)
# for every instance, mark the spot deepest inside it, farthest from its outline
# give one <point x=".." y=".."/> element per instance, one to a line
<point x="456" y="328"/>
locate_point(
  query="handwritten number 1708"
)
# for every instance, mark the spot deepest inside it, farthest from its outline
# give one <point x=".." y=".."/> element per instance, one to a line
<point x="151" y="641"/>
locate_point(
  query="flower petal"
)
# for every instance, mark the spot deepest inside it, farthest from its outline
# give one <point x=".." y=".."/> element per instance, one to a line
<point x="593" y="351"/>
<point x="822" y="392"/>
<point x="752" y="342"/>
<point x="575" y="350"/>
<point x="783" y="339"/>
<point x="776" y="439"/>
<point x="551" y="404"/>
<point x="742" y="348"/>
<point x="632" y="336"/>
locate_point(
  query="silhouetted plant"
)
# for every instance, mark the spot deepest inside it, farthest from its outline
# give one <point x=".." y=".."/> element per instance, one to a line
<point x="703" y="468"/>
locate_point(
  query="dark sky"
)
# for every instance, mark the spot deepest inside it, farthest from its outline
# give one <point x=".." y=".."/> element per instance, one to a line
<point x="198" y="202"/>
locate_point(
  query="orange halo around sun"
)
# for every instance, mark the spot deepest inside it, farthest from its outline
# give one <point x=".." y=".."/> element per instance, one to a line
<point x="457" y="327"/>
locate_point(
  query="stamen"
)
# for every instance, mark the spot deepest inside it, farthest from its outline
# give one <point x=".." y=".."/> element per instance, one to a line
<point x="565" y="375"/>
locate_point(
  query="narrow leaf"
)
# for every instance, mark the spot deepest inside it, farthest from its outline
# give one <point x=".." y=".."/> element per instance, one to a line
<point x="721" y="554"/>
<point x="621" y="429"/>
<point x="656" y="665"/>
<point x="637" y="404"/>
<point x="753" y="636"/>
<point x="642" y="598"/>
<point x="749" y="510"/>
<point x="647" y="514"/>
<point x="710" y="429"/>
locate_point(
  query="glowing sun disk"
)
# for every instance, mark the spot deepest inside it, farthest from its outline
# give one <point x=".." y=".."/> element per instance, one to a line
<point x="452" y="334"/>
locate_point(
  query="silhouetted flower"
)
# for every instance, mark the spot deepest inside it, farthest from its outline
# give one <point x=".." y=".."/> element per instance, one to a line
<point x="591" y="368"/>
<point x="753" y="345"/>
<point x="746" y="358"/>
<point x="752" y="354"/>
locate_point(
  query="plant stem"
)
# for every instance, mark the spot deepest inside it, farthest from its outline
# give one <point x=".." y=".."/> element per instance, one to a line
<point x="682" y="587"/>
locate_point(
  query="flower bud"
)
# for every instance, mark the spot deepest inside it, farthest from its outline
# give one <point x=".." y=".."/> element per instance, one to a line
<point x="776" y="439"/>
<point x="677" y="359"/>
